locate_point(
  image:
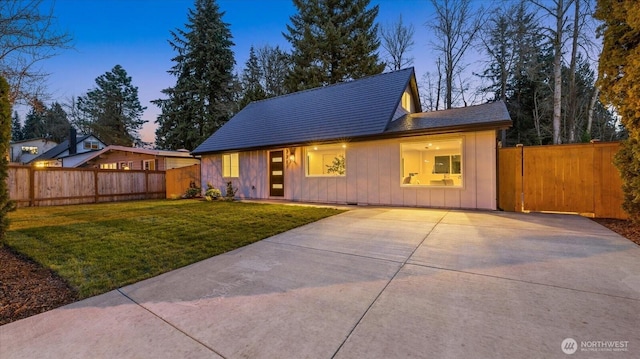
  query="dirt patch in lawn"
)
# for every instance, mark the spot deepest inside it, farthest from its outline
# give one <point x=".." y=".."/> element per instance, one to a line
<point x="27" y="289"/>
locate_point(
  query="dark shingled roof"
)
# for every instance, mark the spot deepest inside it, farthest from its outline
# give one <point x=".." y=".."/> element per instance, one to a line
<point x="54" y="152"/>
<point x="491" y="116"/>
<point x="358" y="108"/>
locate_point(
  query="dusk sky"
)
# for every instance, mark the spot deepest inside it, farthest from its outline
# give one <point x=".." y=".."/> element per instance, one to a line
<point x="134" y="34"/>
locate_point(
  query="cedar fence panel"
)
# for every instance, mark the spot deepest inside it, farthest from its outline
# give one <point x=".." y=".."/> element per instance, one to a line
<point x="576" y="178"/>
<point x="31" y="186"/>
<point x="179" y="179"/>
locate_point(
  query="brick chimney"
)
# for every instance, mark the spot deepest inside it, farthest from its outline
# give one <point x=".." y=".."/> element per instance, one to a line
<point x="73" y="144"/>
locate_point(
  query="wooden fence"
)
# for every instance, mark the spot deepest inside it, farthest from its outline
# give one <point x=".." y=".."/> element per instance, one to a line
<point x="179" y="179"/>
<point x="32" y="186"/>
<point x="578" y="178"/>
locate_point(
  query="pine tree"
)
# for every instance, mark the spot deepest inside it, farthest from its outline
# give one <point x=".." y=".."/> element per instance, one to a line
<point x="34" y="122"/>
<point x="16" y="128"/>
<point x="252" y="89"/>
<point x="202" y="99"/>
<point x="332" y="41"/>
<point x="275" y="64"/>
<point x="619" y="71"/>
<point x="6" y="204"/>
<point x="56" y="123"/>
<point x="112" y="110"/>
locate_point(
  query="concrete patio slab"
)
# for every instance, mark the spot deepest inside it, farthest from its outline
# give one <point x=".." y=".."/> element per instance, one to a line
<point x="268" y="300"/>
<point x="432" y="313"/>
<point x="105" y="326"/>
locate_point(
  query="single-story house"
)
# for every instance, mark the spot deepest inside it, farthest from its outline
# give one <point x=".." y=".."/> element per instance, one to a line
<point x="25" y="151"/>
<point x="131" y="158"/>
<point x="70" y="152"/>
<point x="365" y="142"/>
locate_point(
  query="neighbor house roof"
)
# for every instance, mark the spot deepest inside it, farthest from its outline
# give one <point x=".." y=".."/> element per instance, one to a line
<point x="144" y="151"/>
<point x="56" y="151"/>
<point x="487" y="116"/>
<point x="347" y="110"/>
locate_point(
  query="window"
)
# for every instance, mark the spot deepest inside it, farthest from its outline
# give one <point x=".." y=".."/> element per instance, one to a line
<point x="432" y="163"/>
<point x="108" y="166"/>
<point x="326" y="160"/>
<point x="230" y="165"/>
<point x="123" y="165"/>
<point x="91" y="145"/>
<point x="406" y="101"/>
<point x="149" y="165"/>
<point x="32" y="150"/>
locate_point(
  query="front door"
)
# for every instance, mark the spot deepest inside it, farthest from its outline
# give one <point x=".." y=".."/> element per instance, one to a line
<point x="276" y="173"/>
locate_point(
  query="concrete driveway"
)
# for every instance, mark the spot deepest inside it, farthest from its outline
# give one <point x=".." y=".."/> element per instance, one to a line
<point x="372" y="283"/>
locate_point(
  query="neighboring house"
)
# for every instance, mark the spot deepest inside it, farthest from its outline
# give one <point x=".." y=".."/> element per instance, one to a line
<point x="359" y="142"/>
<point x="70" y="152"/>
<point x="130" y="158"/>
<point x="24" y="151"/>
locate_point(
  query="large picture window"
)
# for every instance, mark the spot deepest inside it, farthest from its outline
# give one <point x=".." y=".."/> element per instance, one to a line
<point x="432" y="163"/>
<point x="326" y="160"/>
<point x="230" y="165"/>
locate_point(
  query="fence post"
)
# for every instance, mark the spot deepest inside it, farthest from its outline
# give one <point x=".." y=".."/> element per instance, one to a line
<point x="32" y="186"/>
<point x="95" y="185"/>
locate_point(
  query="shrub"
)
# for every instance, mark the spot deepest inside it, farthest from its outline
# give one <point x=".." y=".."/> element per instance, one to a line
<point x="193" y="191"/>
<point x="212" y="193"/>
<point x="231" y="192"/>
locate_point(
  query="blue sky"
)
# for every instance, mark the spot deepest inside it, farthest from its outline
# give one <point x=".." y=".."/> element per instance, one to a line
<point x="134" y="34"/>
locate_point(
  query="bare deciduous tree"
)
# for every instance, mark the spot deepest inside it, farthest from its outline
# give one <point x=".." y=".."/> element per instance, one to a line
<point x="27" y="36"/>
<point x="397" y="40"/>
<point x="455" y="28"/>
<point x="557" y="11"/>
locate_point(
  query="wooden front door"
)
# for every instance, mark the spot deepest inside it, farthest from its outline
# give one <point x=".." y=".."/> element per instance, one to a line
<point x="276" y="173"/>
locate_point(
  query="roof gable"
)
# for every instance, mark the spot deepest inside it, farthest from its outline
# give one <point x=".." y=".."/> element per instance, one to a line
<point x="362" y="107"/>
<point x="62" y="147"/>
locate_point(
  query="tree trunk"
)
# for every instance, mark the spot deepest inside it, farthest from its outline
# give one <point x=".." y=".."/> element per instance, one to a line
<point x="557" y="74"/>
<point x="572" y="100"/>
<point x="592" y="105"/>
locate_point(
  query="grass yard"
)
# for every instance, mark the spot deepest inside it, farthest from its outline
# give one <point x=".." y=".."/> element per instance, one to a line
<point x="100" y="247"/>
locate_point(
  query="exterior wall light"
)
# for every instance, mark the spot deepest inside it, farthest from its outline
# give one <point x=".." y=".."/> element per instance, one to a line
<point x="291" y="155"/>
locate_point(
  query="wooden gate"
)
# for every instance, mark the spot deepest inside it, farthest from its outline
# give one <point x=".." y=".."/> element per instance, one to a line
<point x="576" y="178"/>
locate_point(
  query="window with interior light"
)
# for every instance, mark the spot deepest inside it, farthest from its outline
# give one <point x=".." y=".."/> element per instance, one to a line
<point x="32" y="150"/>
<point x="326" y="160"/>
<point x="432" y="163"/>
<point x="230" y="165"/>
<point x="108" y="166"/>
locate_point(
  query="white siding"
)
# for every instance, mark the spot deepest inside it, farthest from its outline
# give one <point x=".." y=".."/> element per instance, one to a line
<point x="372" y="176"/>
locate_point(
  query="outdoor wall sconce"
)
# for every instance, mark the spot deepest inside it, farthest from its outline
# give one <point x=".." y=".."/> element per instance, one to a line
<point x="291" y="155"/>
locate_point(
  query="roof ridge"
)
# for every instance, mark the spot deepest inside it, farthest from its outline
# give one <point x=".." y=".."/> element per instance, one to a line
<point x="334" y="85"/>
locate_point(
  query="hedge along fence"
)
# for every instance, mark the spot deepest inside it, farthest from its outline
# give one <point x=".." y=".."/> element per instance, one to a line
<point x="32" y="186"/>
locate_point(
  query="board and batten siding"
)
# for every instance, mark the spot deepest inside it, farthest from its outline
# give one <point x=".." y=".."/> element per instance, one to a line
<point x="372" y="176"/>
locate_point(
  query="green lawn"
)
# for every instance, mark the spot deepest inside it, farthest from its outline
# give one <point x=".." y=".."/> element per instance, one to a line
<point x="100" y="247"/>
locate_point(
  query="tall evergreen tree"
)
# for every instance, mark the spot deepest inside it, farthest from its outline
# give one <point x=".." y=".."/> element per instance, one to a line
<point x="332" y="41"/>
<point x="112" y="110"/>
<point x="251" y="81"/>
<point x="34" y="122"/>
<point x="275" y="64"/>
<point x="16" y="128"/>
<point x="202" y="99"/>
<point x="6" y="204"/>
<point x="619" y="71"/>
<point x="56" y="123"/>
